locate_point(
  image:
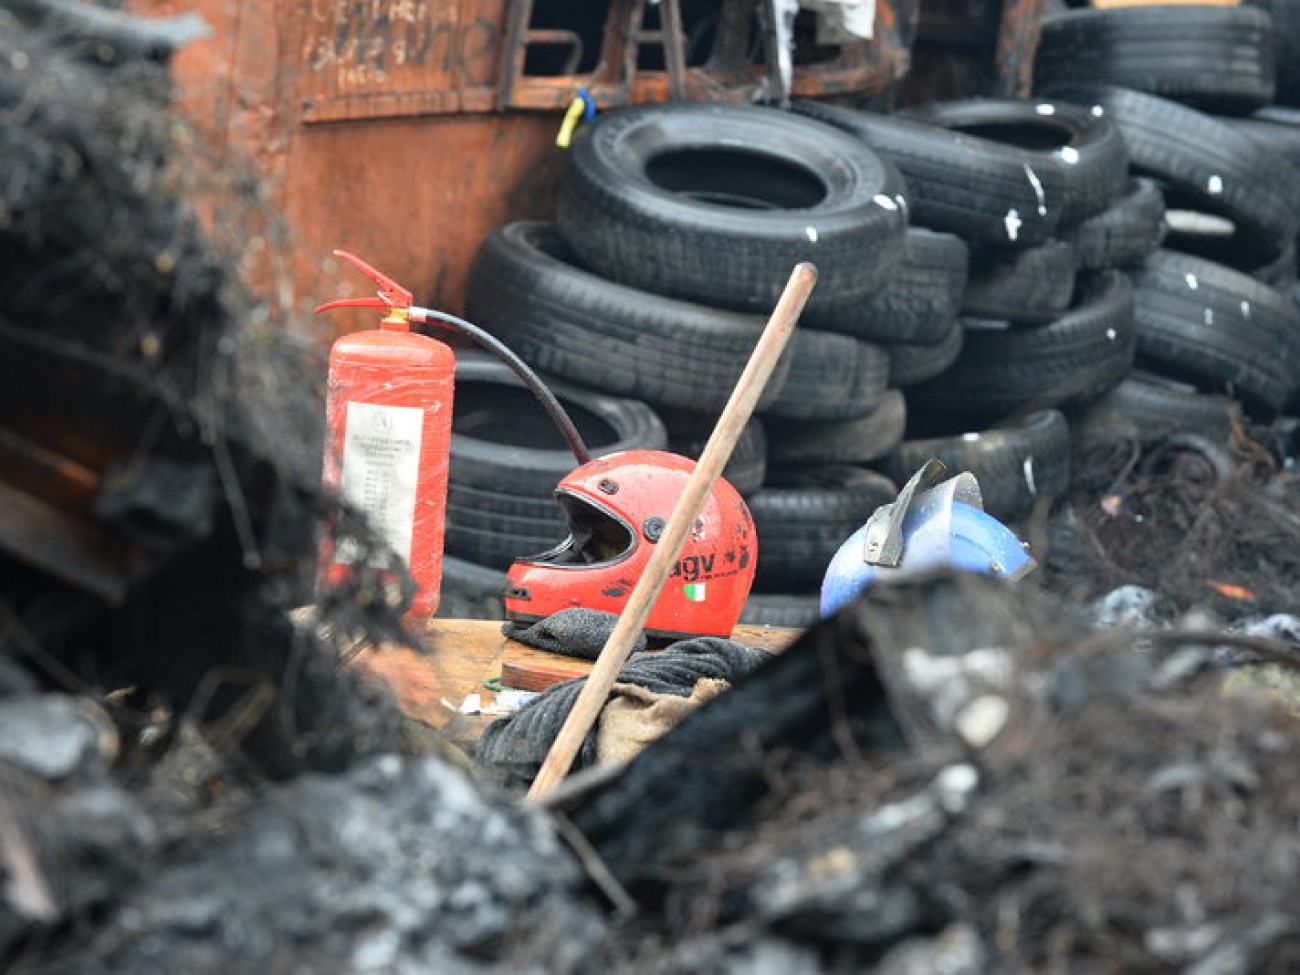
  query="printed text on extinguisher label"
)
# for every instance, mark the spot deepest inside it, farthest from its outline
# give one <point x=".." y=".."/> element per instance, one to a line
<point x="381" y="470"/>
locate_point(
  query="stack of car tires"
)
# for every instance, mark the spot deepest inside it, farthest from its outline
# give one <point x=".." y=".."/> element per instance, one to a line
<point x="1217" y="330"/>
<point x="677" y="226"/>
<point x="676" y="229"/>
<point x="1039" y="197"/>
<point x="995" y="276"/>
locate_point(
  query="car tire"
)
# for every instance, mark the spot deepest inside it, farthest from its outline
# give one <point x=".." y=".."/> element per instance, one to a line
<point x="658" y="197"/>
<point x="803" y="515"/>
<point x="831" y="377"/>
<point x="918" y="304"/>
<point x="1016" y="465"/>
<point x="1125" y="232"/>
<point x="793" y="610"/>
<point x="857" y="441"/>
<point x="976" y="188"/>
<point x="1036" y="280"/>
<point x="1069" y="361"/>
<point x="1094" y="160"/>
<point x="1225" y="171"/>
<point x="1218" y="58"/>
<point x="688" y="435"/>
<point x="1146" y="408"/>
<point x="1282" y="137"/>
<point x="471" y="591"/>
<point x="1216" y="328"/>
<point x="1220" y="240"/>
<point x="913" y="364"/>
<point x="526" y="287"/>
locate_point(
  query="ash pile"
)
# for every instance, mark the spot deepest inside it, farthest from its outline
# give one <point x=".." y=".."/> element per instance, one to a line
<point x="950" y="775"/>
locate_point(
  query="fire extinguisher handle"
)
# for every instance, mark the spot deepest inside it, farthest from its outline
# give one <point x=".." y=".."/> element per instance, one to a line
<point x="392" y="293"/>
<point x="353" y="303"/>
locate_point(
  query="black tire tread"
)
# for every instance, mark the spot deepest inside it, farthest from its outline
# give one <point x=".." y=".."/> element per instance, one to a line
<point x="1145" y="408"/>
<point x="920" y="301"/>
<point x="960" y="183"/>
<point x="794" y="610"/>
<point x="1210" y="56"/>
<point x="1124" y="233"/>
<point x="1015" y="465"/>
<point x="1092" y="152"/>
<point x="912" y="364"/>
<point x="527" y="289"/>
<point x="1224" y="170"/>
<point x="1228" y="330"/>
<point x="625" y="228"/>
<point x="688" y="434"/>
<point x="1068" y="362"/>
<point x="471" y="591"/>
<point x="1036" y="279"/>
<point x="831" y="377"/>
<point x="802" y="516"/>
<point x="856" y="441"/>
<point x="535" y="470"/>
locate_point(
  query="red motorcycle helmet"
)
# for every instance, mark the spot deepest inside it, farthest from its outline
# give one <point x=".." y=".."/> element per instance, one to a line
<point x="617" y="508"/>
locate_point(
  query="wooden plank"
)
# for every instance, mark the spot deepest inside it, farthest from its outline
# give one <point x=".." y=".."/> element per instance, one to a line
<point x="528" y="675"/>
<point x="460" y="655"/>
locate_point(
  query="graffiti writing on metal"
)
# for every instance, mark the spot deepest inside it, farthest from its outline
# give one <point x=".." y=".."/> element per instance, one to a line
<point x="361" y="43"/>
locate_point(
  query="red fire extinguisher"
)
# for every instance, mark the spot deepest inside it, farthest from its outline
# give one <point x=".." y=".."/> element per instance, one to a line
<point x="389" y="406"/>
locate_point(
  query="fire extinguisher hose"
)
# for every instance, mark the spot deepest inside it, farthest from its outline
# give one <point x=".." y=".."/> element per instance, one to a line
<point x="520" y="368"/>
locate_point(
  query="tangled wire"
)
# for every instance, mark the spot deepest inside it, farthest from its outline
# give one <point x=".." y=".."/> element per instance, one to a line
<point x="1200" y="523"/>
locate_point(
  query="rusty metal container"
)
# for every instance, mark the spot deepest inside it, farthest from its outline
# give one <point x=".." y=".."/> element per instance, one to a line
<point x="406" y="130"/>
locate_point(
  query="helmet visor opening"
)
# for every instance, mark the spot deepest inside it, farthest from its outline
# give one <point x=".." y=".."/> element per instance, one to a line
<point x="595" y="535"/>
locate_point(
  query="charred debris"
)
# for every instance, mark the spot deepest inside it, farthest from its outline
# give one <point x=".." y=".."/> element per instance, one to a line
<point x="949" y="775"/>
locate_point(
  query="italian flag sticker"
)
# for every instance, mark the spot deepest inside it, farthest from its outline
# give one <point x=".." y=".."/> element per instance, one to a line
<point x="694" y="592"/>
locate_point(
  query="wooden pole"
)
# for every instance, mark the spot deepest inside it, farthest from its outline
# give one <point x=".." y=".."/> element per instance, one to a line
<point x="734" y="416"/>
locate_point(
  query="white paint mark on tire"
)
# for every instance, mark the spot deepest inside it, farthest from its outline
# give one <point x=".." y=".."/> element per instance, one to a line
<point x="1037" y="184"/>
<point x="1013" y="223"/>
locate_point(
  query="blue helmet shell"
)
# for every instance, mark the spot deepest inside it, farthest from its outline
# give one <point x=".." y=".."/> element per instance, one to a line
<point x="937" y="531"/>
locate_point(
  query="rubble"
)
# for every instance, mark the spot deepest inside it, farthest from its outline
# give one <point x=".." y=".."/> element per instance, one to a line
<point x="1115" y="814"/>
<point x="1198" y="524"/>
<point x="399" y="865"/>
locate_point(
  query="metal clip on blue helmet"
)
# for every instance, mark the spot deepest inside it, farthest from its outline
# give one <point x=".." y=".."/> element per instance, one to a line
<point x="928" y="525"/>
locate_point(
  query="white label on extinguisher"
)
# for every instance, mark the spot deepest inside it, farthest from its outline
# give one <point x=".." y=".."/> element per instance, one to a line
<point x="381" y="470"/>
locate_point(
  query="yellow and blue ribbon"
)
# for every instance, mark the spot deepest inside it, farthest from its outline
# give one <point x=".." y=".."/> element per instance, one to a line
<point x="581" y="109"/>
